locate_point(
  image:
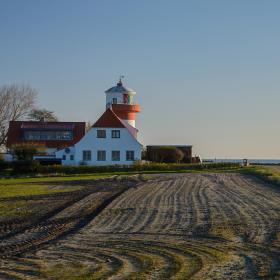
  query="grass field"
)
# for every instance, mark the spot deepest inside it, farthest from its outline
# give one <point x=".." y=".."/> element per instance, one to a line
<point x="15" y="193"/>
<point x="12" y="190"/>
<point x="268" y="173"/>
<point x="55" y="178"/>
<point x="194" y="225"/>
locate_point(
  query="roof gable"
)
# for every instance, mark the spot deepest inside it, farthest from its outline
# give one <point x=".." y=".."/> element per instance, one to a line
<point x="109" y="119"/>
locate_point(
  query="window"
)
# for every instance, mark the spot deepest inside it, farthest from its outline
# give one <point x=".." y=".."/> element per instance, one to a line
<point x="129" y="155"/>
<point x="125" y="98"/>
<point x="64" y="157"/>
<point x="48" y="135"/>
<point x="115" y="155"/>
<point x="101" y="133"/>
<point x="31" y="135"/>
<point x="115" y="133"/>
<point x="115" y="100"/>
<point x="71" y="157"/>
<point x="86" y="155"/>
<point x="63" y="135"/>
<point x="101" y="155"/>
<point x="130" y="99"/>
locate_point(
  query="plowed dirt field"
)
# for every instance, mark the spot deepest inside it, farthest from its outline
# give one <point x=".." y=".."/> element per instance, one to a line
<point x="176" y="226"/>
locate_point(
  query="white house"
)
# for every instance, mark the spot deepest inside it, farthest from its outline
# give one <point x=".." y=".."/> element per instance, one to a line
<point x="113" y="138"/>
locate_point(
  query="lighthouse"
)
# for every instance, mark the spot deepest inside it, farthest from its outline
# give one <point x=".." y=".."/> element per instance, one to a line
<point x="112" y="139"/>
<point x="120" y="99"/>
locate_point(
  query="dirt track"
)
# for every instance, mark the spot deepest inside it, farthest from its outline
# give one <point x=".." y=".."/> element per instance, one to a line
<point x="188" y="226"/>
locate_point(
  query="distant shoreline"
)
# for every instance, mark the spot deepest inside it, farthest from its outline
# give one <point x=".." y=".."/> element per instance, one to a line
<point x="253" y="161"/>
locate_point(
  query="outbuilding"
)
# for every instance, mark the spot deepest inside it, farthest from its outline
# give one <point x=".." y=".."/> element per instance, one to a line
<point x="169" y="153"/>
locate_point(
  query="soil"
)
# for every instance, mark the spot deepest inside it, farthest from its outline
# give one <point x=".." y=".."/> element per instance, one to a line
<point x="175" y="226"/>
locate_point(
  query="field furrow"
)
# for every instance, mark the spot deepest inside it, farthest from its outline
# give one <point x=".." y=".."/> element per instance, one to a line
<point x="176" y="226"/>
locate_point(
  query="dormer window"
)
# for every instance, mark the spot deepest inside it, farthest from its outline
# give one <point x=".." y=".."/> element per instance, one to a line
<point x="115" y="100"/>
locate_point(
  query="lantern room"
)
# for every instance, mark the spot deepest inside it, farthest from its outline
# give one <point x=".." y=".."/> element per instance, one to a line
<point x="121" y="100"/>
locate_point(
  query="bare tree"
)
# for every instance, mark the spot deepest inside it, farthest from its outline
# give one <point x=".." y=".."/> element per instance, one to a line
<point x="179" y="155"/>
<point x="16" y="101"/>
<point x="89" y="125"/>
<point x="42" y="115"/>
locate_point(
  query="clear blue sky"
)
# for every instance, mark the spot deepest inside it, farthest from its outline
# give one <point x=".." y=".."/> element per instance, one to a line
<point x="206" y="73"/>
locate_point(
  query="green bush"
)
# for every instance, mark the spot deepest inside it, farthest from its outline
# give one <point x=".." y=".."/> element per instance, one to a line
<point x="26" y="151"/>
<point x="137" y="167"/>
<point x="166" y="154"/>
<point x="4" y="165"/>
<point x="25" y="166"/>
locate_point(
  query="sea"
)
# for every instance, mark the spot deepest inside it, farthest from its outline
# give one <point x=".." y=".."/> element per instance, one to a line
<point x="253" y="161"/>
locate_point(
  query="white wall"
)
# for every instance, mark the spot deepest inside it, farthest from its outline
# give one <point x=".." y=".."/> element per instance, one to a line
<point x="50" y="151"/>
<point x="7" y="156"/>
<point x="90" y="142"/>
<point x="67" y="153"/>
<point x="131" y="122"/>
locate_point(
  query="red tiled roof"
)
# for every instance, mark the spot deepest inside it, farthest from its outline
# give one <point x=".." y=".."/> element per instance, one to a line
<point x="17" y="128"/>
<point x="48" y="125"/>
<point x="109" y="119"/>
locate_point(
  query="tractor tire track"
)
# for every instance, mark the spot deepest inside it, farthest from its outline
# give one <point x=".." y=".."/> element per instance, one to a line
<point x="175" y="226"/>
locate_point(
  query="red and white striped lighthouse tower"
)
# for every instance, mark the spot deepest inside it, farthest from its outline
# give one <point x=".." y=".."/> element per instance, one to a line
<point x="120" y="99"/>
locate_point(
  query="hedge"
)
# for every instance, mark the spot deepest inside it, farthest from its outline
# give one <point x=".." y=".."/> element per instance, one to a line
<point x="23" y="167"/>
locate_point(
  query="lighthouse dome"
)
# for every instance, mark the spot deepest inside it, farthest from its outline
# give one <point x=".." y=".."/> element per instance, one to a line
<point x="120" y="88"/>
